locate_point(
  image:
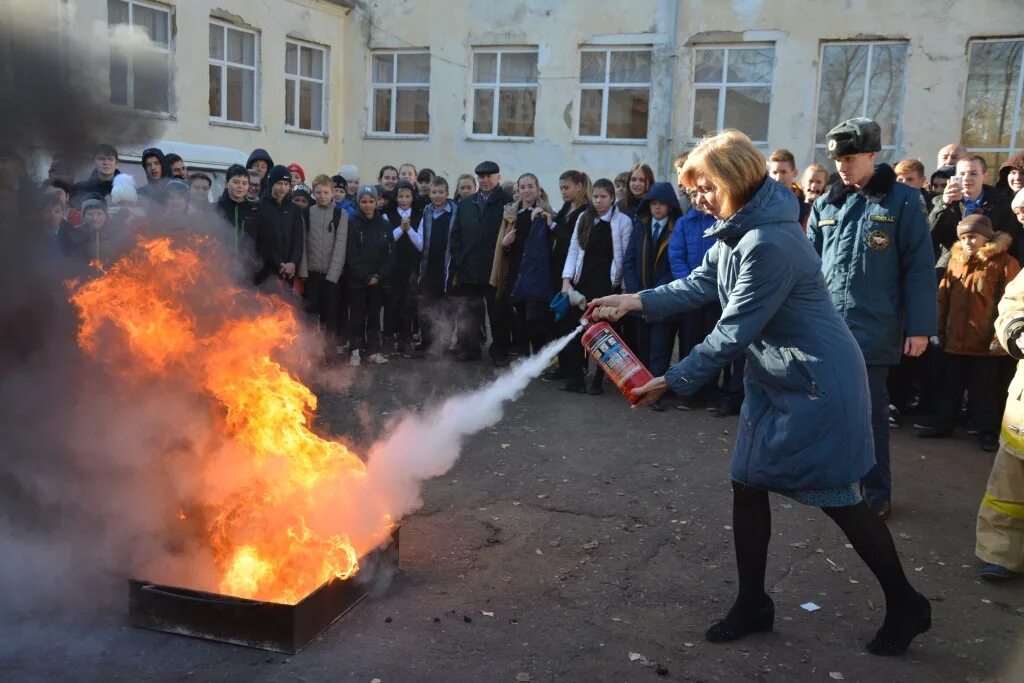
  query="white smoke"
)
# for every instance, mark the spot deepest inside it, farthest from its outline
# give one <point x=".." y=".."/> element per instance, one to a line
<point x="425" y="446"/>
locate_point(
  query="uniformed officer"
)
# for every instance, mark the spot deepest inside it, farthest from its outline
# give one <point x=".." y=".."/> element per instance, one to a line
<point x="876" y="254"/>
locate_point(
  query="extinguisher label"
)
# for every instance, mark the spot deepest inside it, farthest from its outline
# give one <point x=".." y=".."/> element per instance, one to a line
<point x="616" y="361"/>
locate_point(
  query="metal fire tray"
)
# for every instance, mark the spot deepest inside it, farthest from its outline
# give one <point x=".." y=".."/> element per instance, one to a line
<point x="253" y="623"/>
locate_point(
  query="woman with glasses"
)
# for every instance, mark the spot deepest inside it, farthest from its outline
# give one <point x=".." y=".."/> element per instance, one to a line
<point x="805" y="429"/>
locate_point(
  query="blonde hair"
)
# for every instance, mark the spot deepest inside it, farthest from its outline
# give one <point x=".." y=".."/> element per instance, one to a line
<point x="542" y="196"/>
<point x="811" y="171"/>
<point x="730" y="162"/>
<point x="909" y="166"/>
<point x="322" y="179"/>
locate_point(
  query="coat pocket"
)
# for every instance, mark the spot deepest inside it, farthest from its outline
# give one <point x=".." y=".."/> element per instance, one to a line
<point x="783" y="369"/>
<point x="799" y="364"/>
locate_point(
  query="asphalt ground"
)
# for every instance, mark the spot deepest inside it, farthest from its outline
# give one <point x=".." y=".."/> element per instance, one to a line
<point x="579" y="540"/>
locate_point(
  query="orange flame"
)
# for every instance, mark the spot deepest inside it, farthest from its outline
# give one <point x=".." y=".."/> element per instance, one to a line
<point x="165" y="311"/>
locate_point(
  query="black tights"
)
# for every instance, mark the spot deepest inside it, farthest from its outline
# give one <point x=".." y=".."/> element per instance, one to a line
<point x="867" y="533"/>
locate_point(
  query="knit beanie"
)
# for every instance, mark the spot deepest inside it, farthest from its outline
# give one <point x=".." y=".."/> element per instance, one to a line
<point x="179" y="187"/>
<point x="297" y="169"/>
<point x="977" y="223"/>
<point x="123" y="190"/>
<point x="367" y="189"/>
<point x="339" y="181"/>
<point x="301" y="190"/>
<point x="349" y="171"/>
<point x="94" y="203"/>
<point x="1018" y="201"/>
<point x="277" y="174"/>
<point x="235" y="170"/>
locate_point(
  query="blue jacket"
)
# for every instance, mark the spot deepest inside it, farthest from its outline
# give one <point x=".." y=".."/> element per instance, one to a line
<point x="876" y="253"/>
<point x="534" y="283"/>
<point x="805" y="421"/>
<point x="349" y="206"/>
<point x="688" y="244"/>
<point x="645" y="264"/>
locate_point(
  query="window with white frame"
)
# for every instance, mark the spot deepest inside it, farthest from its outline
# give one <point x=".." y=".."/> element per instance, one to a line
<point x="504" y="92"/>
<point x="615" y="93"/>
<point x="993" y="125"/>
<point x="733" y="89"/>
<point x="233" y="73"/>
<point x="401" y="92"/>
<point x="861" y="79"/>
<point x="305" y="79"/>
<point x="140" y="76"/>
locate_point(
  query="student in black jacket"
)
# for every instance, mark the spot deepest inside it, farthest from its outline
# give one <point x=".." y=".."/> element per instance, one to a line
<point x="279" y="229"/>
<point x="368" y="263"/>
<point x="400" y="308"/>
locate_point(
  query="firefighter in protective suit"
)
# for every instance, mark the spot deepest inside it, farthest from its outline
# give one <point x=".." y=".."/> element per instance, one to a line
<point x="1000" y="532"/>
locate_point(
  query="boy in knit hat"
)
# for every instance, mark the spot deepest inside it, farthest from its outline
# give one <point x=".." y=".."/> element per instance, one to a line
<point x="298" y="175"/>
<point x="279" y="228"/>
<point x="351" y="174"/>
<point x="301" y="196"/>
<point x="368" y="263"/>
<point x="969" y="292"/>
<point x="88" y="242"/>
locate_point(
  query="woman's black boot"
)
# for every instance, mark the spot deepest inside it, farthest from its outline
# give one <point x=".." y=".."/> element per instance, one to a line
<point x="902" y="625"/>
<point x="743" y="619"/>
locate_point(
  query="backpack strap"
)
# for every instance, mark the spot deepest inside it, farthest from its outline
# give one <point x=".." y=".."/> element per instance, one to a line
<point x="335" y="219"/>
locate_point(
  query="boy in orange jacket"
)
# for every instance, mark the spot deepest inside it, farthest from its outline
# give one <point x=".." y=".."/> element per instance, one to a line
<point x="968" y="296"/>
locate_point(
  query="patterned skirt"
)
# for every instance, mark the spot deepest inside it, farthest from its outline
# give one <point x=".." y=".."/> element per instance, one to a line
<point x="834" y="497"/>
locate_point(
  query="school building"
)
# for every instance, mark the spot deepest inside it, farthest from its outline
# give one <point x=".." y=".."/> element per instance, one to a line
<point x="546" y="85"/>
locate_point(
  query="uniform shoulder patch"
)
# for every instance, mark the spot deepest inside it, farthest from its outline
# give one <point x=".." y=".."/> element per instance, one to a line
<point x="826" y="222"/>
<point x="879" y="240"/>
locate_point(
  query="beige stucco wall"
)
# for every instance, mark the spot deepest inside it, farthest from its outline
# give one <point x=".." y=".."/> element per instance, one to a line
<point x="937" y="31"/>
<point x="452" y="28"/>
<point x="937" y="35"/>
<point x="274" y="20"/>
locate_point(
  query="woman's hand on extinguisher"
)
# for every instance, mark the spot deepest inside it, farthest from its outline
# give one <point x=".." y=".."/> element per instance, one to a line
<point x="650" y="392"/>
<point x="613" y="307"/>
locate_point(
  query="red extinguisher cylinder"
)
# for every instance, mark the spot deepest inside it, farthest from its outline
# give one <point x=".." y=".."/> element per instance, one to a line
<point x="608" y="350"/>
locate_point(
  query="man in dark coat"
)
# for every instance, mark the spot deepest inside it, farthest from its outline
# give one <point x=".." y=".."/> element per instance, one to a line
<point x="474" y="234"/>
<point x="101" y="181"/>
<point x="877" y="259"/>
<point x="279" y="229"/>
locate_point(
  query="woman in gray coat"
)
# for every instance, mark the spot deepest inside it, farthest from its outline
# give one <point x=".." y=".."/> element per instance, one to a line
<point x="805" y="427"/>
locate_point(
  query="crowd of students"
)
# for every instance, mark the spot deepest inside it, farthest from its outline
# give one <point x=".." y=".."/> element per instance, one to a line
<point x="411" y="264"/>
<point x="405" y="265"/>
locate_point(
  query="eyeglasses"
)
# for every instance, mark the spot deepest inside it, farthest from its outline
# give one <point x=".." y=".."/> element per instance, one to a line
<point x="697" y="192"/>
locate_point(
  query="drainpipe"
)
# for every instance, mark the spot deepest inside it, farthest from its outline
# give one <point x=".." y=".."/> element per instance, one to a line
<point x="667" y="151"/>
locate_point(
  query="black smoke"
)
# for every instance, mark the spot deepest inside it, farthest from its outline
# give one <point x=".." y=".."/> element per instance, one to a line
<point x="64" y="462"/>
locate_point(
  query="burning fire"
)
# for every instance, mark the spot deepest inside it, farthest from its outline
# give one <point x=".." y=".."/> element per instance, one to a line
<point x="167" y="311"/>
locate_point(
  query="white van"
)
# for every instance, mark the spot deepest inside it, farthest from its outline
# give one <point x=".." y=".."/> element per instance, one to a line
<point x="209" y="159"/>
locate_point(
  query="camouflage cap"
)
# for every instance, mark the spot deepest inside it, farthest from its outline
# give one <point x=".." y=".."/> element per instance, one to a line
<point x="854" y="136"/>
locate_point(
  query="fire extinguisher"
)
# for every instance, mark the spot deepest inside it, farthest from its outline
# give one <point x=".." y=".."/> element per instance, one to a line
<point x="608" y="350"/>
